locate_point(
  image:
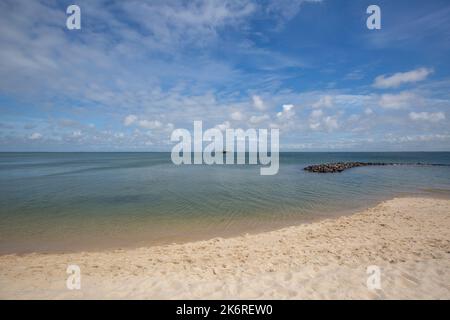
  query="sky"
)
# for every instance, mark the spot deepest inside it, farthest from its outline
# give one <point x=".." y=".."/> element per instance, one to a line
<point x="139" y="69"/>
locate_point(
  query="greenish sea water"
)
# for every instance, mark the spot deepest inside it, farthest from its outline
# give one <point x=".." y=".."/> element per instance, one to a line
<point x="88" y="201"/>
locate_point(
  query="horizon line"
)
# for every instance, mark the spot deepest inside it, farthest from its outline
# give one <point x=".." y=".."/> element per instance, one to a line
<point x="282" y="151"/>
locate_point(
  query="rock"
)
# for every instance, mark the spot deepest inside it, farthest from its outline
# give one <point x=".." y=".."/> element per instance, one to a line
<point x="341" y="166"/>
<point x="335" y="167"/>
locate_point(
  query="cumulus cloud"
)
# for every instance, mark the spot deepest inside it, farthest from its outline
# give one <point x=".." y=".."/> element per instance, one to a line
<point x="258" y="103"/>
<point x="324" y="102"/>
<point x="427" y="116"/>
<point x="150" y="124"/>
<point x="287" y="112"/>
<point x="259" y="119"/>
<point x="35" y="136"/>
<point x="319" y="121"/>
<point x="223" y="126"/>
<point x="237" y="116"/>
<point x="314" y="125"/>
<point x="155" y="125"/>
<point x="384" y="82"/>
<point x="76" y="134"/>
<point x="315" y="119"/>
<point x="129" y="120"/>
<point x="330" y="123"/>
<point x="397" y="101"/>
<point x="316" y="114"/>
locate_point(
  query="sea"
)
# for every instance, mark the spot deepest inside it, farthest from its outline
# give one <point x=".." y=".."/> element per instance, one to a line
<point x="67" y="202"/>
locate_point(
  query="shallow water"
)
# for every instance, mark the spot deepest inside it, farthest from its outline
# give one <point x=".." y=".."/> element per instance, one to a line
<point x="89" y="201"/>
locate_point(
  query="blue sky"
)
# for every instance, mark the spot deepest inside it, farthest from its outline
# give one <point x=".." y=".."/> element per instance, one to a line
<point x="139" y="69"/>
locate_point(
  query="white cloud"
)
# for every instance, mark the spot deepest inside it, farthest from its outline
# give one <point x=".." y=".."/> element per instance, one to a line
<point x="427" y="116"/>
<point x="259" y="119"/>
<point x="324" y="102"/>
<point x="76" y="134"/>
<point x="330" y="123"/>
<point x="316" y="114"/>
<point x="400" y="78"/>
<point x="315" y="119"/>
<point x="397" y="101"/>
<point x="368" y="111"/>
<point x="287" y="112"/>
<point x="237" y="116"/>
<point x="35" y="136"/>
<point x="318" y="120"/>
<point x="170" y="127"/>
<point x="258" y="103"/>
<point x="223" y="126"/>
<point x="314" y="125"/>
<point x="129" y="120"/>
<point x="287" y="9"/>
<point x="147" y="124"/>
<point x="417" y="138"/>
<point x="155" y="125"/>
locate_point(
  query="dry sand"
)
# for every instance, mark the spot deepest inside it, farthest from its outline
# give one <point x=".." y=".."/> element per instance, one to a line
<point x="408" y="238"/>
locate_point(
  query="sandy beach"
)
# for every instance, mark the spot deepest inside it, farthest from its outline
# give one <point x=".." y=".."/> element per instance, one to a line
<point x="407" y="238"/>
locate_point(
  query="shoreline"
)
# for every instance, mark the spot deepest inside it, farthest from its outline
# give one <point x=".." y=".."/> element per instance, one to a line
<point x="246" y="229"/>
<point x="408" y="238"/>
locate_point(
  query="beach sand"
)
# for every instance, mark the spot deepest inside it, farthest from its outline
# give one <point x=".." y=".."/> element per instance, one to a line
<point x="407" y="238"/>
